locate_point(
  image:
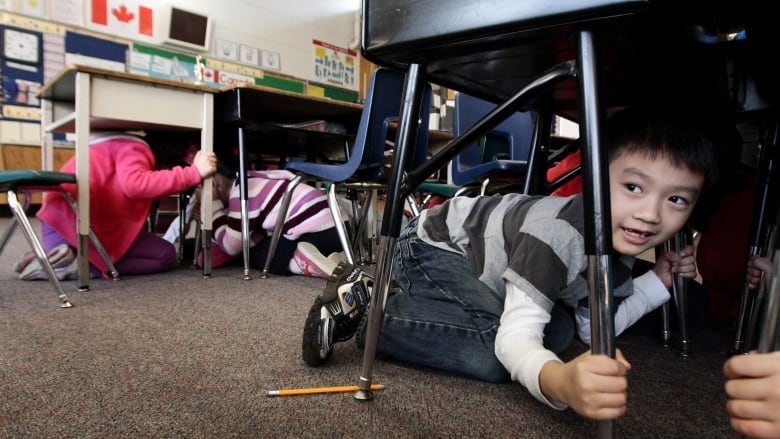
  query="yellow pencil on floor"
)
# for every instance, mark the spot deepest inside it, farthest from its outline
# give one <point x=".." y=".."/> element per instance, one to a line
<point x="317" y="390"/>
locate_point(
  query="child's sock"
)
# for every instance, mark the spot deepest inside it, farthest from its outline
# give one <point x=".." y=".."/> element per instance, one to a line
<point x="308" y="261"/>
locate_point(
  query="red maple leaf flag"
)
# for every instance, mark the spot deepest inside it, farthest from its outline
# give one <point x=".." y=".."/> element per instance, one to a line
<point x="131" y="19"/>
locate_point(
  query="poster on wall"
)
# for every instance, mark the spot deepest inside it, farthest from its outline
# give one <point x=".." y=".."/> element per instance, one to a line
<point x="35" y="8"/>
<point x="132" y="19"/>
<point x="68" y="12"/>
<point x="334" y="65"/>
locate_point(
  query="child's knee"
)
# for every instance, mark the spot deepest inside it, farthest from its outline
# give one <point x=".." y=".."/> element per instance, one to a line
<point x="168" y="256"/>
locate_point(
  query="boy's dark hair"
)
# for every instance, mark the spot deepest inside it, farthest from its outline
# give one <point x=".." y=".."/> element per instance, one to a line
<point x="689" y="136"/>
<point x="226" y="169"/>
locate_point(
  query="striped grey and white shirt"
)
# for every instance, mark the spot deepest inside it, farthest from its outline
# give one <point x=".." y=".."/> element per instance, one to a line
<point x="534" y="242"/>
<point x="530" y="250"/>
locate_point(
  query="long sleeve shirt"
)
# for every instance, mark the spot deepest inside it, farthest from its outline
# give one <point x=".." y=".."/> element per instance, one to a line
<point x="530" y="251"/>
<point x="308" y="211"/>
<point x="123" y="182"/>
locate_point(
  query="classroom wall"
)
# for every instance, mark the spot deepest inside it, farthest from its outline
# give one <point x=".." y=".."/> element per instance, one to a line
<point x="287" y="30"/>
<point x="303" y="35"/>
<point x="286" y="27"/>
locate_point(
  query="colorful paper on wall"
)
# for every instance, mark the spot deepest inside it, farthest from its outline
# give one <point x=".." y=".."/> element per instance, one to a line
<point x="334" y="65"/>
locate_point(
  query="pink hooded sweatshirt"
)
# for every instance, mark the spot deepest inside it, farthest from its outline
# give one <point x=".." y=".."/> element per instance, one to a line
<point x="123" y="185"/>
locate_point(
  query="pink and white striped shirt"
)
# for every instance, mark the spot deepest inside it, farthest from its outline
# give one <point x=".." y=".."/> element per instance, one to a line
<point x="308" y="210"/>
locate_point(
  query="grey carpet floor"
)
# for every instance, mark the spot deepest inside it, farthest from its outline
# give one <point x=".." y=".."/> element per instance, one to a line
<point x="174" y="355"/>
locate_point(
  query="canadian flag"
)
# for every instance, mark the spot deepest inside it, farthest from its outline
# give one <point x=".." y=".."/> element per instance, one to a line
<point x="127" y="18"/>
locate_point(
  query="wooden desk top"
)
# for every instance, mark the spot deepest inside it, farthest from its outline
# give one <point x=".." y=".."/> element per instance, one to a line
<point x="62" y="86"/>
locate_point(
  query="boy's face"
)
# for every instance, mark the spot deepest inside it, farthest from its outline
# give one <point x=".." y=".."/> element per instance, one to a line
<point x="650" y="200"/>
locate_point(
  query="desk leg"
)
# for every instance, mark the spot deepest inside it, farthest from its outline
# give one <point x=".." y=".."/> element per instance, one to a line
<point x="391" y="221"/>
<point x="83" y="111"/>
<point x="765" y="220"/>
<point x="242" y="182"/>
<point x="598" y="239"/>
<point x="206" y="210"/>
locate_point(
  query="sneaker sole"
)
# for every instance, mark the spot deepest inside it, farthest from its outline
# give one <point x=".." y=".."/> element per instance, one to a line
<point x="335" y="314"/>
<point x="317" y="333"/>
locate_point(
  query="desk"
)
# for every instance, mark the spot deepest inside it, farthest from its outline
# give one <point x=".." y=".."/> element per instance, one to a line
<point x="82" y="98"/>
<point x="245" y="109"/>
<point x="539" y="55"/>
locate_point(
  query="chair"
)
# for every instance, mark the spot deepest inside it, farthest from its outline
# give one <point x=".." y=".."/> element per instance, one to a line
<point x="502" y="153"/>
<point x="26" y="181"/>
<point x="365" y="166"/>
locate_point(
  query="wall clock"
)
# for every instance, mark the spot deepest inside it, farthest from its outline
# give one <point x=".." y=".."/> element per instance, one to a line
<point x="21" y="45"/>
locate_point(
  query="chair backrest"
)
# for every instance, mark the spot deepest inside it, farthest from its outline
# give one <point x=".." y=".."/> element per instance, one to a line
<point x="507" y="146"/>
<point x="382" y="106"/>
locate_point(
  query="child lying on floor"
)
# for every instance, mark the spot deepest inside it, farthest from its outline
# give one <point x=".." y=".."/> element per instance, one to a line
<point x="308" y="235"/>
<point x="496" y="287"/>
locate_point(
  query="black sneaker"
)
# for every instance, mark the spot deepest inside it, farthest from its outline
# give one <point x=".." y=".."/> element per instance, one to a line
<point x="336" y="312"/>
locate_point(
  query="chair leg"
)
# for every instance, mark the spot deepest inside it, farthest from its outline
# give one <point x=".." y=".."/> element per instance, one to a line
<point x="413" y="206"/>
<point x="758" y="300"/>
<point x="196" y="246"/>
<point x="483" y="188"/>
<point x="279" y="224"/>
<point x="12" y="225"/>
<point x="666" y="332"/>
<point x="7" y="233"/>
<point x="335" y="211"/>
<point x="359" y="233"/>
<point x="32" y="239"/>
<point x="95" y="241"/>
<point x="765" y="218"/>
<point x="680" y="294"/>
<point x="181" y="206"/>
<point x="366" y="230"/>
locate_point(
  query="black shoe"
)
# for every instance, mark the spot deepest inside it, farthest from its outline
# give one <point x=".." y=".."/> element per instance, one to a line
<point x="336" y="313"/>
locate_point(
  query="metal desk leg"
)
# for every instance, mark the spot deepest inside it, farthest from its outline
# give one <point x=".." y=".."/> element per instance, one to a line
<point x="758" y="247"/>
<point x="598" y="239"/>
<point x="680" y="292"/>
<point x="242" y="182"/>
<point x="391" y="221"/>
<point x="666" y="331"/>
<point x="181" y="206"/>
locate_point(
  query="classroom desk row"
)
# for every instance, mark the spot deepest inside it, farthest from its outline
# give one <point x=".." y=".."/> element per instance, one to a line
<point x="80" y="99"/>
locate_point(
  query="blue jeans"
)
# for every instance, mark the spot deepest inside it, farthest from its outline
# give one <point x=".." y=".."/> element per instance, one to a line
<point x="439" y="314"/>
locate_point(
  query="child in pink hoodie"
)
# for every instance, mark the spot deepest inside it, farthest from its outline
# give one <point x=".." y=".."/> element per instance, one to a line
<point x="127" y="173"/>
